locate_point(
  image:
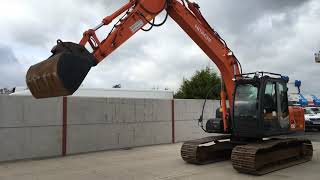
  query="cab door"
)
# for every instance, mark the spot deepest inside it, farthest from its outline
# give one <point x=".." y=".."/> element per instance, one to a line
<point x="283" y="106"/>
<point x="275" y="111"/>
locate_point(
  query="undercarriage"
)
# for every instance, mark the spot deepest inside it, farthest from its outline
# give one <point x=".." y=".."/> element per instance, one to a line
<point x="257" y="158"/>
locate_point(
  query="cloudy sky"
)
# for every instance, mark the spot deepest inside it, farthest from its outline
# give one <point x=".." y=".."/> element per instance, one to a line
<point x="271" y="35"/>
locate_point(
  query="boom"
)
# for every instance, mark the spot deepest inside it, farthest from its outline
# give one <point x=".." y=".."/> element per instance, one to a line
<point x="69" y="74"/>
<point x="189" y="19"/>
<point x="138" y="13"/>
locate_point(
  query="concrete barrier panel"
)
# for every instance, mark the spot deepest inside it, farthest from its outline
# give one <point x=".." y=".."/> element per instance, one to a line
<point x="14" y="142"/>
<point x="126" y="111"/>
<point x="45" y="142"/>
<point x="30" y="128"/>
<point x="190" y="109"/>
<point x="118" y="123"/>
<point x="107" y="136"/>
<point x="29" y="142"/>
<point x="162" y="110"/>
<point x="42" y="112"/>
<point x="25" y="111"/>
<point x="83" y="138"/>
<point x="151" y="133"/>
<point x="139" y="111"/>
<point x="11" y="112"/>
<point x="161" y="132"/>
<point x="188" y="130"/>
<point x="187" y="113"/>
<point x="126" y="135"/>
<point x="86" y="111"/>
<point x="143" y="134"/>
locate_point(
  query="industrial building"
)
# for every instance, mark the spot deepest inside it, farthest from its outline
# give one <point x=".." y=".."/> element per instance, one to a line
<point x="110" y="93"/>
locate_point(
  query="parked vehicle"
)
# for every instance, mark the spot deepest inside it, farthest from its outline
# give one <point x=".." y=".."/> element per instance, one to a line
<point x="315" y="109"/>
<point x="312" y="119"/>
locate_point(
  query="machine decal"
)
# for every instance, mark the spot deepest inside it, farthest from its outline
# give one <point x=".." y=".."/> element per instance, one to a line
<point x="204" y="34"/>
<point x="136" y="26"/>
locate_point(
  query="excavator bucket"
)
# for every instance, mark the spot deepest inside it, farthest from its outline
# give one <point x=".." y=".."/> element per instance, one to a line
<point x="62" y="73"/>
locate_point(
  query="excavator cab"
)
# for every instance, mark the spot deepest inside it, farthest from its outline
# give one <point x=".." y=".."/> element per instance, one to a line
<point x="260" y="105"/>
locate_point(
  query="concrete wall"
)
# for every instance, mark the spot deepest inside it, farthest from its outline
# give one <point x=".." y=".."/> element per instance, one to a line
<point x="187" y="113"/>
<point x="32" y="128"/>
<point x="29" y="128"/>
<point x="98" y="124"/>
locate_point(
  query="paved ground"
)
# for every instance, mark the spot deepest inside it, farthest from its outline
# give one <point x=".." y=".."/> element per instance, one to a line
<point x="313" y="135"/>
<point x="161" y="162"/>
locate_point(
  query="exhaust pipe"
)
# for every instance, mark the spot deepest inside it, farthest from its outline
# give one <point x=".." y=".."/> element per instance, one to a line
<point x="62" y="73"/>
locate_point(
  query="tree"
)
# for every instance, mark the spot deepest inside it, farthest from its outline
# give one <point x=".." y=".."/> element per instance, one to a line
<point x="201" y="83"/>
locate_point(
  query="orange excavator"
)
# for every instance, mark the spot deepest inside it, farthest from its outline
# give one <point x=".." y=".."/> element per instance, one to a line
<point x="256" y="121"/>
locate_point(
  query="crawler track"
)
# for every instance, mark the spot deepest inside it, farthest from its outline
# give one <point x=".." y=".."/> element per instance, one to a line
<point x="268" y="156"/>
<point x="197" y="152"/>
